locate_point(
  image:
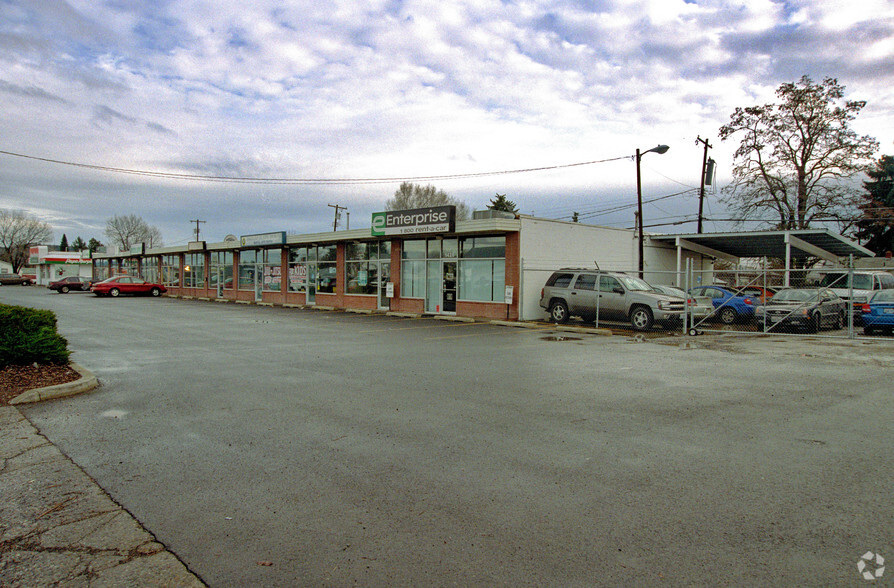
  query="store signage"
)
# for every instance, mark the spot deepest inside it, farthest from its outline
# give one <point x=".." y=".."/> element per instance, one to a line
<point x="138" y="249"/>
<point x="195" y="246"/>
<point x="261" y="239"/>
<point x="437" y="219"/>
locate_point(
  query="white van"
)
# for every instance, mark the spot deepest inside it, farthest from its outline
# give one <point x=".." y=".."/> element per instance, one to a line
<point x="865" y="284"/>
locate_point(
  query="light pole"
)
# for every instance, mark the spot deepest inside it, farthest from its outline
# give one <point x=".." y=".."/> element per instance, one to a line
<point x="660" y="149"/>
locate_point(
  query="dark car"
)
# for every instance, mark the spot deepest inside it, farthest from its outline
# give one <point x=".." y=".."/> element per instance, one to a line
<point x="70" y="283"/>
<point x="127" y="285"/>
<point x="810" y="308"/>
<point x="14" y="280"/>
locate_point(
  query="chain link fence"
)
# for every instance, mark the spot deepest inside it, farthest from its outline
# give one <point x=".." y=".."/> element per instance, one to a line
<point x="836" y="302"/>
<point x="844" y="302"/>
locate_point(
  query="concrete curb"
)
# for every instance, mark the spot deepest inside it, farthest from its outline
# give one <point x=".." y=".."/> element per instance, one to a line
<point x="86" y="383"/>
<point x="454" y="319"/>
<point x="590" y="330"/>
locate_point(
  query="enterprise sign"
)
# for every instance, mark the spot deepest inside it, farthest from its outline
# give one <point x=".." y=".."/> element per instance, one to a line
<point x="437" y="219"/>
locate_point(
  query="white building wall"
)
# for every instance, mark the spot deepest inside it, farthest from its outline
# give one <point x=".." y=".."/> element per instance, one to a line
<point x="546" y="245"/>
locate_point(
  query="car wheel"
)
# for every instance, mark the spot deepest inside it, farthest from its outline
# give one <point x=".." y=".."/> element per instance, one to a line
<point x="114" y="292"/>
<point x="155" y="292"/>
<point x="816" y="323"/>
<point x="839" y="321"/>
<point x="589" y="318"/>
<point x="641" y="318"/>
<point x="558" y="311"/>
<point x="63" y="290"/>
<point x="728" y="315"/>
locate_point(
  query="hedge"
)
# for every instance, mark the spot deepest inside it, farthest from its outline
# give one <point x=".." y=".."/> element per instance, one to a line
<point x="28" y="335"/>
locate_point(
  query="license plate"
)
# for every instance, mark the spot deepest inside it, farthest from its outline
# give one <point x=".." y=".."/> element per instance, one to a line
<point x="888" y="310"/>
<point x="775" y="319"/>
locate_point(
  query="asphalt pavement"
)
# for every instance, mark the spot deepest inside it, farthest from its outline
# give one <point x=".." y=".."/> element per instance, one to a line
<point x="281" y="447"/>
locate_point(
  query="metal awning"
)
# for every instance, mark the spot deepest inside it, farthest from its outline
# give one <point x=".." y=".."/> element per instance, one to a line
<point x="787" y="245"/>
<point x="793" y="244"/>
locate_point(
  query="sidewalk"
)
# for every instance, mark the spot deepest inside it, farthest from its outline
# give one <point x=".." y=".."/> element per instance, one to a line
<point x="58" y="527"/>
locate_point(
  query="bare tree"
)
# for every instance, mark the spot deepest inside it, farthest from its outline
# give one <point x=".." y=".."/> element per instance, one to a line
<point x="18" y="232"/>
<point x="410" y="196"/>
<point x="797" y="160"/>
<point x="125" y="231"/>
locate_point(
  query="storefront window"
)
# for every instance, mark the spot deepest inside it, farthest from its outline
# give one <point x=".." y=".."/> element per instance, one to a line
<point x="149" y="269"/>
<point x="482" y="269"/>
<point x="221" y="269"/>
<point x="427" y="265"/>
<point x="327" y="274"/>
<point x="248" y="260"/>
<point x="362" y="266"/>
<point x="272" y="269"/>
<point x="412" y="273"/>
<point x="194" y="271"/>
<point x="298" y="269"/>
<point x="170" y="270"/>
<point x="100" y="269"/>
<point x="129" y="266"/>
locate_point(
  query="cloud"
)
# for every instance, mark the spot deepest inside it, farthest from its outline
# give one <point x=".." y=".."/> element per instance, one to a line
<point x="399" y="88"/>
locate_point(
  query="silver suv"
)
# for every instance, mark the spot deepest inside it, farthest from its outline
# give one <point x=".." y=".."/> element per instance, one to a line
<point x="573" y="292"/>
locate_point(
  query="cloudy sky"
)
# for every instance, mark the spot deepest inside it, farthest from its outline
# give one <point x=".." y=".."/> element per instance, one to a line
<point x="386" y="89"/>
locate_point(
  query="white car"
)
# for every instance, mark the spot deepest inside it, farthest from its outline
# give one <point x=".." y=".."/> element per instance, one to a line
<point x="700" y="307"/>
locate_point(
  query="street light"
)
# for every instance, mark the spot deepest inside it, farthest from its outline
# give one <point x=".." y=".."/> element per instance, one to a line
<point x="660" y="149"/>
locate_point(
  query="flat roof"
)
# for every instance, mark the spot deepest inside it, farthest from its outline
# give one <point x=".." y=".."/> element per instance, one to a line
<point x="771" y="243"/>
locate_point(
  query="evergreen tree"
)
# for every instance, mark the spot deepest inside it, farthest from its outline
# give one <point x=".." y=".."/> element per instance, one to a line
<point x="876" y="225"/>
<point x="63" y="244"/>
<point x="78" y="244"/>
<point x="503" y="203"/>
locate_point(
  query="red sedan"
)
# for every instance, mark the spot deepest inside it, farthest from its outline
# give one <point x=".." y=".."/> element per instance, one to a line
<point x="127" y="285"/>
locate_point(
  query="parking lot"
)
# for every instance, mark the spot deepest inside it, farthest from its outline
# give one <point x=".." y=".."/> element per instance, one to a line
<point x="274" y="446"/>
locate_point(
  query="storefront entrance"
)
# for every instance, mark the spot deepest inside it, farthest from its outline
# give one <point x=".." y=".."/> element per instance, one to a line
<point x="381" y="279"/>
<point x="440" y="287"/>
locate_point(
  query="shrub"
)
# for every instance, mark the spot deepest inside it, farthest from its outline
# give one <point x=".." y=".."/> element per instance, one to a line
<point x="28" y="335"/>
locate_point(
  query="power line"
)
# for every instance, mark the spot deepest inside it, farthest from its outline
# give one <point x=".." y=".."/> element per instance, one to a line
<point x="293" y="181"/>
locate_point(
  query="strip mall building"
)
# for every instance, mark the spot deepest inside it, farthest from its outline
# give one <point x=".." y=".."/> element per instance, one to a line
<point x="419" y="261"/>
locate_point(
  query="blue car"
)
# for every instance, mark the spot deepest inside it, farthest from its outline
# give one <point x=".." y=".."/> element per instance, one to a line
<point x="727" y="305"/>
<point x="878" y="313"/>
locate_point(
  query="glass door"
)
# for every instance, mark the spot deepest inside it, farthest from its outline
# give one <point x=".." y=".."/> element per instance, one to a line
<point x="311" y="283"/>
<point x="449" y="285"/>
<point x="259" y="282"/>
<point x="220" y="281"/>
<point x="384" y="276"/>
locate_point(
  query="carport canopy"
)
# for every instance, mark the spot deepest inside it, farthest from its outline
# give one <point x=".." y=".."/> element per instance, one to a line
<point x="787" y="245"/>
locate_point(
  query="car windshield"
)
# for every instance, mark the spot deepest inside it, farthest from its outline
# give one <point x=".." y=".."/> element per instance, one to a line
<point x="635" y="284"/>
<point x="861" y="281"/>
<point x="796" y="295"/>
<point x="884" y="296"/>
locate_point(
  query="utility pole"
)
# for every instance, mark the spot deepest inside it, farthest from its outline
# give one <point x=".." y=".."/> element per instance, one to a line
<point x="337" y="208"/>
<point x="701" y="193"/>
<point x="197" y="221"/>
